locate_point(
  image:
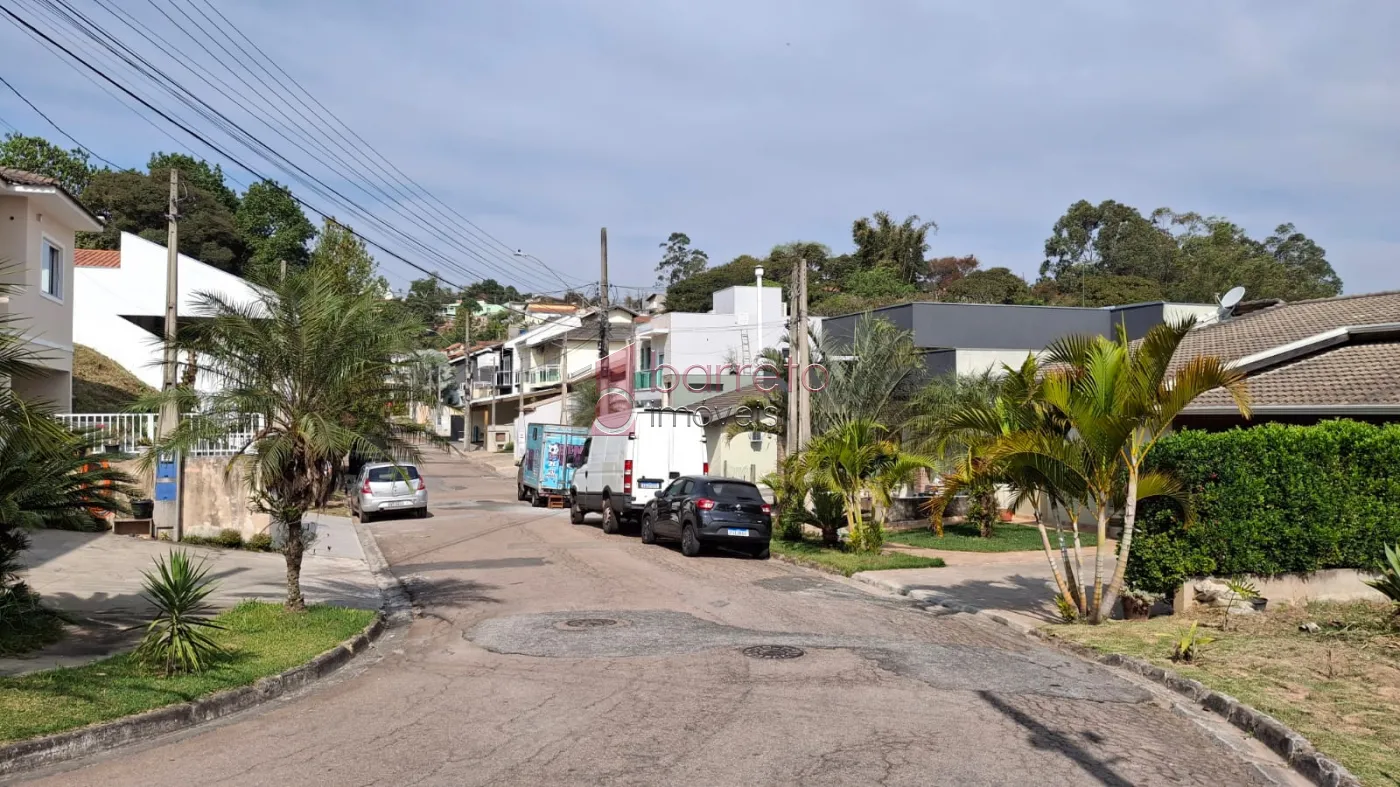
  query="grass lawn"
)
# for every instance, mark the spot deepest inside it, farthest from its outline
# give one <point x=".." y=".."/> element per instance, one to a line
<point x="964" y="538"/>
<point x="260" y="638"/>
<point x="811" y="553"/>
<point x="1339" y="688"/>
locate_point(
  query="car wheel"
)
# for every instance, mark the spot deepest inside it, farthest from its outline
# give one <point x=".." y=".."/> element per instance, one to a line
<point x="610" y="523"/>
<point x="366" y="517"/>
<point x="421" y="513"/>
<point x="520" y="493"/>
<point x="575" y="511"/>
<point x="763" y="554"/>
<point x="649" y="527"/>
<point x="690" y="542"/>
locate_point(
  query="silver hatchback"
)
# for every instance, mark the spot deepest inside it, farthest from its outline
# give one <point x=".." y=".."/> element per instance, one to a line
<point x="384" y="487"/>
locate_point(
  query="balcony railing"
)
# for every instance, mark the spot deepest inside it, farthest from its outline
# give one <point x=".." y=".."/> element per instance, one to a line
<point x="132" y="433"/>
<point x="543" y="375"/>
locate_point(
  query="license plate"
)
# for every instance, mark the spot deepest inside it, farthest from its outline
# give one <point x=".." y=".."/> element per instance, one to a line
<point x="649" y="485"/>
<point x="397" y="503"/>
<point x="736" y="531"/>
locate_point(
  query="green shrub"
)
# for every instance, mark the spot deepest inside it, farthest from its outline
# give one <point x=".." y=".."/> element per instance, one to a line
<point x="1271" y="499"/>
<point x="229" y="538"/>
<point x="196" y="540"/>
<point x="177" y="638"/>
<point x="261" y="542"/>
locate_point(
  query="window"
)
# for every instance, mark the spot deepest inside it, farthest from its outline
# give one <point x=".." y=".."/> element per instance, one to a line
<point x="735" y="490"/>
<point x="51" y="270"/>
<point x="686" y="486"/>
<point x="385" y="474"/>
<point x="674" y="489"/>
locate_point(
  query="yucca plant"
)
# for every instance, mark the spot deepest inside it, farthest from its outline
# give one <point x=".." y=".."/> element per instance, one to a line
<point x="177" y="638"/>
<point x="1389" y="580"/>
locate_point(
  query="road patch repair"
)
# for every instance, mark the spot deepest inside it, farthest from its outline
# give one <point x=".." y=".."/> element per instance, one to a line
<point x="658" y="633"/>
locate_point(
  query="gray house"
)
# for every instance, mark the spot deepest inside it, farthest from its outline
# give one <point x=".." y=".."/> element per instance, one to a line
<point x="970" y="338"/>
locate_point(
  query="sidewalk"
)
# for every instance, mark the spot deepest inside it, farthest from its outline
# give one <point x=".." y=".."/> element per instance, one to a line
<point x="96" y="577"/>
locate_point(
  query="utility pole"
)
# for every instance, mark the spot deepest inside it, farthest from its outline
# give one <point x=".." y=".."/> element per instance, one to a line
<point x="564" y="380"/>
<point x="169" y="464"/>
<point x="793" y="379"/>
<point x="603" y="309"/>
<point x="804" y="358"/>
<point x="467" y="304"/>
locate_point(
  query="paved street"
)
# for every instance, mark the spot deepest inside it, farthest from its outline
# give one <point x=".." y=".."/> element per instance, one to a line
<point x="548" y="653"/>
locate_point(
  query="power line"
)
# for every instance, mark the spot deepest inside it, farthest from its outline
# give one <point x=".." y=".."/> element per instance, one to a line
<point x="57" y="128"/>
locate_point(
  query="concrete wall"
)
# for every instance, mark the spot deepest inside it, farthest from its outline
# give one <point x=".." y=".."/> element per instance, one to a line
<point x="212" y="501"/>
<point x="739" y="457"/>
<point x="979" y="361"/>
<point x="1338" y="584"/>
<point x="45" y="322"/>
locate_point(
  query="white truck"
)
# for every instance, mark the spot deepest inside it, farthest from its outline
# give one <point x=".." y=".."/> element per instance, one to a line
<point x="619" y="474"/>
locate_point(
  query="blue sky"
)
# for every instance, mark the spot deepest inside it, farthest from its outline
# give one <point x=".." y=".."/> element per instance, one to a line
<point x="747" y="124"/>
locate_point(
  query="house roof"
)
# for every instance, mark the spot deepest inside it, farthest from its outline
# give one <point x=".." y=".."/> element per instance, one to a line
<point x="1348" y="375"/>
<point x="97" y="258"/>
<point x="1327" y="354"/>
<point x="551" y="308"/>
<point x="722" y="405"/>
<point x="1284" y="323"/>
<point x="19" y="177"/>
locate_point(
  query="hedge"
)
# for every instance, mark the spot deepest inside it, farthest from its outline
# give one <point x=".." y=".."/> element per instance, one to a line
<point x="1271" y="499"/>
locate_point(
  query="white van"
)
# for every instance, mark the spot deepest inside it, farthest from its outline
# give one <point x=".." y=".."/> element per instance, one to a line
<point x="621" y="473"/>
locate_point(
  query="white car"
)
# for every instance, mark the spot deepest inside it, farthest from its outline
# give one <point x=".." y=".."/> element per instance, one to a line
<point x="384" y="487"/>
<point x="619" y="474"/>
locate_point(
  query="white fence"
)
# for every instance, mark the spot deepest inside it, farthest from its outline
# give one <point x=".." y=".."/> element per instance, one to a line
<point x="134" y="432"/>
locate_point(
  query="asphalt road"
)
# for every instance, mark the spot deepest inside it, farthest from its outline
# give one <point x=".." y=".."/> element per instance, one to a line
<point x="548" y="653"/>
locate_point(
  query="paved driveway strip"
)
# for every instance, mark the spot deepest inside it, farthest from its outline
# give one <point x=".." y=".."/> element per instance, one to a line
<point x="547" y="653"/>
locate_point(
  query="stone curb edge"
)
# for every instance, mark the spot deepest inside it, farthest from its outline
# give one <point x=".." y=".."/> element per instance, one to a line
<point x="1296" y="750"/>
<point x="36" y="753"/>
<point x="397" y="606"/>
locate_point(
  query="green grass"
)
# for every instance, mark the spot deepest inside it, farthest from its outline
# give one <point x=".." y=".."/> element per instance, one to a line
<point x="964" y="538"/>
<point x="811" y="553"/>
<point x="1338" y="688"/>
<point x="261" y="640"/>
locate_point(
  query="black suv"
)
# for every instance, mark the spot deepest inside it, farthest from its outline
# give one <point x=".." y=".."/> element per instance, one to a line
<point x="698" y="510"/>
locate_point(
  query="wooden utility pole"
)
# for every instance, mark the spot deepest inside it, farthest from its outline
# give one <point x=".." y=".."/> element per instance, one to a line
<point x="603" y="309"/>
<point x="804" y="359"/>
<point x="564" y="380"/>
<point x="169" y="464"/>
<point x="467" y="304"/>
<point x="793" y="378"/>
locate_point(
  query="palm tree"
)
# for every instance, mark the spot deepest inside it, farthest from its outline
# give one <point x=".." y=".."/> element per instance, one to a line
<point x="874" y="376"/>
<point x="1108" y="403"/>
<point x="325" y="367"/>
<point x="856" y="459"/>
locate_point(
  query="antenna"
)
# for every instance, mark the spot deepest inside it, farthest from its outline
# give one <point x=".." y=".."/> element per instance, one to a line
<point x="1229" y="301"/>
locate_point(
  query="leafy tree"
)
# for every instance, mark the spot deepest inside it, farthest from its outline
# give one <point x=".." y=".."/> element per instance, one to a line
<point x="1108" y="238"/>
<point x="944" y="272"/>
<point x="492" y="291"/>
<point x="137" y="203"/>
<point x="695" y="294"/>
<point x="679" y="261"/>
<point x="198" y="172"/>
<point x="274" y="228"/>
<point x="425" y="300"/>
<point x="339" y="251"/>
<point x="872" y="375"/>
<point x="881" y="284"/>
<point x="36" y="154"/>
<point x="1079" y="288"/>
<point x="993" y="285"/>
<point x="324" y="368"/>
<point x="881" y="243"/>
<point x="1216" y="255"/>
<point x="1305" y="263"/>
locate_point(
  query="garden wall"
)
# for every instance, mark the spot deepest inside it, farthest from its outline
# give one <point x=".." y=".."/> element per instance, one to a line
<point x="215" y="497"/>
<point x="1272" y="499"/>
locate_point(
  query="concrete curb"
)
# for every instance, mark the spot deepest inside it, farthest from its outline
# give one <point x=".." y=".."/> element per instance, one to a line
<point x="1296" y="750"/>
<point x="35" y="753"/>
<point x="397" y="606"/>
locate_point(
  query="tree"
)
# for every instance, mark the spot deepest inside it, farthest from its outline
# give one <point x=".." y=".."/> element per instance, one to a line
<point x="341" y="253"/>
<point x="696" y="293"/>
<point x="881" y="243"/>
<point x="877" y="284"/>
<point x="944" y="272"/>
<point x="274" y="229"/>
<point x="1108" y="238"/>
<point x="36" y="154"/>
<point x="137" y="203"/>
<point x="870" y="376"/>
<point x="492" y="291"/>
<point x="425" y="300"/>
<point x="679" y="261"/>
<point x="324" y="369"/>
<point x="198" y="173"/>
<point x="1304" y="262"/>
<point x="1081" y="288"/>
<point x="993" y="285"/>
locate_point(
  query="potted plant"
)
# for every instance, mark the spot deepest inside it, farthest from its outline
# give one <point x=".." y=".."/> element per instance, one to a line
<point x="1137" y="604"/>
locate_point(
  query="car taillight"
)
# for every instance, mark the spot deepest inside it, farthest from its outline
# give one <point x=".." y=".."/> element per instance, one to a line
<point x="421" y="485"/>
<point x="366" y="488"/>
<point x="705" y="469"/>
<point x="627" y="476"/>
<point x="767" y="509"/>
<point x="705" y="504"/>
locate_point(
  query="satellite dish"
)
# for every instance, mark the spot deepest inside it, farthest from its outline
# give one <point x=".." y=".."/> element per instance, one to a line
<point x="1232" y="298"/>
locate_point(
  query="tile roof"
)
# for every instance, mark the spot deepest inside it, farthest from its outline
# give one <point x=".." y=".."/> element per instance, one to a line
<point x="1351" y="374"/>
<point x="551" y="308"/>
<point x="97" y="258"/>
<point x="1287" y="322"/>
<point x="23" y="178"/>
<point x="719" y="403"/>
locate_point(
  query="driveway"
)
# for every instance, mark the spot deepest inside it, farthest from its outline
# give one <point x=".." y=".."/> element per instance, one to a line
<point x="548" y="653"/>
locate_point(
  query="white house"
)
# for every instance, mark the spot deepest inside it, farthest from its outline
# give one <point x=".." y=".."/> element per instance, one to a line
<point x="38" y="220"/>
<point x="119" y="299"/>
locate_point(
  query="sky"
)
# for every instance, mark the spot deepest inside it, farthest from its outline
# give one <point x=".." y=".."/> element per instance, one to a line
<point x="749" y="124"/>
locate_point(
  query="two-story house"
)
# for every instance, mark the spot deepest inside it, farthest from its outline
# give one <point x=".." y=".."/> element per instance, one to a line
<point x="38" y="222"/>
